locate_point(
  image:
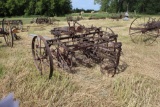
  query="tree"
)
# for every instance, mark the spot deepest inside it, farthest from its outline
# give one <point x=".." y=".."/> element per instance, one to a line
<point x="141" y="6"/>
<point x="35" y="7"/>
<point x="3" y="10"/>
<point x="31" y="7"/>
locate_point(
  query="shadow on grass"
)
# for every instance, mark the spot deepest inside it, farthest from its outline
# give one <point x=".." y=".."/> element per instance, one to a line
<point x="122" y="67"/>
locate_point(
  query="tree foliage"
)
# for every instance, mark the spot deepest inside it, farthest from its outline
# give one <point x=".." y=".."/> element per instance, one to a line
<point x="35" y="7"/>
<point x="141" y="6"/>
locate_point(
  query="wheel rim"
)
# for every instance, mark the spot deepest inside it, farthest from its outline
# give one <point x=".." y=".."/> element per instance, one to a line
<point x="8" y="36"/>
<point x="42" y="55"/>
<point x="137" y="33"/>
<point x="111" y="34"/>
<point x="150" y="36"/>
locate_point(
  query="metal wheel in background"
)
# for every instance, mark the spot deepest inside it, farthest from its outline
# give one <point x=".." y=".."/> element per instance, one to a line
<point x="139" y="34"/>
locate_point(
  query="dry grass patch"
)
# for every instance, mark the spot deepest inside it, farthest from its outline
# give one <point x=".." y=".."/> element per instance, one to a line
<point x="137" y="91"/>
<point x="136" y="84"/>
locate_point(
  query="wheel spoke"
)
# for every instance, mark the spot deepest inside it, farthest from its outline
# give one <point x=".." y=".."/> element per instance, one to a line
<point x="42" y="55"/>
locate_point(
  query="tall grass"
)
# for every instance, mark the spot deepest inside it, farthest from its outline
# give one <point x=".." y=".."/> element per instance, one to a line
<point x="137" y="91"/>
<point x="87" y="87"/>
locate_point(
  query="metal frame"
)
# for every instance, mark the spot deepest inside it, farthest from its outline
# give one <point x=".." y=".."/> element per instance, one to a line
<point x="76" y="44"/>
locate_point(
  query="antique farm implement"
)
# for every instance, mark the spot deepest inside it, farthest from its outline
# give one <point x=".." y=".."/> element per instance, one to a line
<point x="144" y="30"/>
<point x="18" y="24"/>
<point x="44" y="20"/>
<point x="6" y="32"/>
<point x="75" y="44"/>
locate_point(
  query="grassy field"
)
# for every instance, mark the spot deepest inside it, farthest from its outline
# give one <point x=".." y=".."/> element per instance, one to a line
<point x="136" y="84"/>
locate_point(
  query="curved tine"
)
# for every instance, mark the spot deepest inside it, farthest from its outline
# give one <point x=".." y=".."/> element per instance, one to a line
<point x="109" y="29"/>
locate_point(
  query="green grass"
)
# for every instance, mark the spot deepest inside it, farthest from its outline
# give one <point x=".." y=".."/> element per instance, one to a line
<point x="90" y="14"/>
<point x="1" y="71"/>
<point x="27" y="19"/>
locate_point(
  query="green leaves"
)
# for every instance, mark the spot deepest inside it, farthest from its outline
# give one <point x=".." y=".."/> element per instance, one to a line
<point x="35" y="7"/>
<point x="141" y="6"/>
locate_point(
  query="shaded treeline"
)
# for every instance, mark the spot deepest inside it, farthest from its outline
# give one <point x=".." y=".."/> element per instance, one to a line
<point x="35" y="7"/>
<point x="140" y="6"/>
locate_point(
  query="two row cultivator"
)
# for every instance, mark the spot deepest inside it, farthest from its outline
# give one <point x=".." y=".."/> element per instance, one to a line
<point x="77" y="44"/>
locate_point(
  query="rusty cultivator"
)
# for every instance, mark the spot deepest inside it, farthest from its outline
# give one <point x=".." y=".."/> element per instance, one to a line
<point x="6" y="32"/>
<point x="77" y="44"/>
<point x="144" y="30"/>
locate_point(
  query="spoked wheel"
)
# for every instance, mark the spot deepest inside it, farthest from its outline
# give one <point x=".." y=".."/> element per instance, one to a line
<point x="108" y="33"/>
<point x="150" y="36"/>
<point x="8" y="36"/>
<point x="42" y="55"/>
<point x="139" y="33"/>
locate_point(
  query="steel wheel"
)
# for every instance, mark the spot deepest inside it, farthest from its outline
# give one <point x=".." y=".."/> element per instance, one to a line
<point x="42" y="55"/>
<point x="138" y="33"/>
<point x="150" y="36"/>
<point x="8" y="36"/>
